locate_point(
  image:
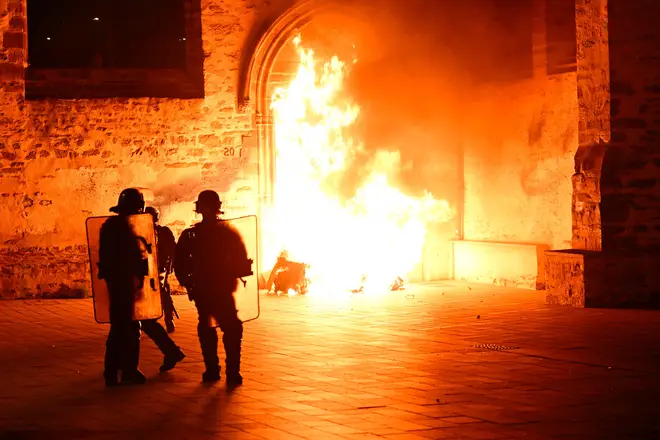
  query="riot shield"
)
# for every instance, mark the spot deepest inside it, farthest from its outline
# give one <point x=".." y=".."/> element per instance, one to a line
<point x="247" y="293"/>
<point x="147" y="291"/>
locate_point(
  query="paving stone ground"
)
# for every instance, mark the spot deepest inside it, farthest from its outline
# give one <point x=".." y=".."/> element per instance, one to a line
<point x="438" y="361"/>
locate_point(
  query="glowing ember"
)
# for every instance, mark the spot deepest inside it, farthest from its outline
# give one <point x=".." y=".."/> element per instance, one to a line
<point x="360" y="244"/>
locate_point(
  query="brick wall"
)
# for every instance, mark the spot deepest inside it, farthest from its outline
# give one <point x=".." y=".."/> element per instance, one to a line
<point x="630" y="207"/>
<point x="616" y="192"/>
<point x="62" y="161"/>
<point x="616" y="204"/>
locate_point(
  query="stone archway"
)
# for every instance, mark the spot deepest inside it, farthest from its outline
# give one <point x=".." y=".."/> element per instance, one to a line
<point x="253" y="86"/>
<point x="253" y="80"/>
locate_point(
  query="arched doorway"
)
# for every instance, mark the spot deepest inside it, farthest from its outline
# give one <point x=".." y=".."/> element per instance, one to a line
<point x="256" y="85"/>
<point x="336" y="28"/>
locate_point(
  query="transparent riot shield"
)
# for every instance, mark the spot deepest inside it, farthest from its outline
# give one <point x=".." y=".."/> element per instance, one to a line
<point x="247" y="293"/>
<point x="148" y="303"/>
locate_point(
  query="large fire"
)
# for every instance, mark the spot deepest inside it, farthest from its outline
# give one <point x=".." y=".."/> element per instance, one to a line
<point x="364" y="242"/>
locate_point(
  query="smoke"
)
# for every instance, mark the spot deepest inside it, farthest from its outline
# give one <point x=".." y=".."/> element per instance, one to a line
<point x="420" y="65"/>
<point x="174" y="191"/>
<point x="185" y="190"/>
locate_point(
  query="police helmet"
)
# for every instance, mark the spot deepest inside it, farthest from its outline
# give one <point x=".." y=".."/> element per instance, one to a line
<point x="131" y="201"/>
<point x="208" y="200"/>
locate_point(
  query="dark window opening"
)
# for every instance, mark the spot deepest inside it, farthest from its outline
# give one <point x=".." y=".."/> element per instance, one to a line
<point x="116" y="34"/>
<point x="511" y="42"/>
<point x="561" y="43"/>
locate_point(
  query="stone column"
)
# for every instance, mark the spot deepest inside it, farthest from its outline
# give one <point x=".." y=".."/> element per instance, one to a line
<point x="616" y="202"/>
<point x="567" y="270"/>
<point x="13" y="41"/>
<point x="593" y="88"/>
<point x="264" y="125"/>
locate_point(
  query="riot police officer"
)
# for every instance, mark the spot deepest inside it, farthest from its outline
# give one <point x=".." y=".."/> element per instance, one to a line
<point x="210" y="258"/>
<point x="166" y="244"/>
<point x="122" y="266"/>
<point x="151" y="327"/>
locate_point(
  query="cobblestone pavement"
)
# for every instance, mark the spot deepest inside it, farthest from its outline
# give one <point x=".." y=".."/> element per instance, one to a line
<point x="438" y="361"/>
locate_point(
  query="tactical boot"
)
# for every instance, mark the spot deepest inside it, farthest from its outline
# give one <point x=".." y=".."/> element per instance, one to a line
<point x="211" y="376"/>
<point x="170" y="361"/>
<point x="134" y="377"/>
<point x="110" y="379"/>
<point x="234" y="379"/>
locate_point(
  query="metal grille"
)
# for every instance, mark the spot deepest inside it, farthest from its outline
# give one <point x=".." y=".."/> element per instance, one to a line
<point x="496" y="347"/>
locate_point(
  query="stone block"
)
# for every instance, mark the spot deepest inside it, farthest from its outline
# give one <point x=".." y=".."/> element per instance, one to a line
<point x="8" y="155"/>
<point x="629" y="123"/>
<point x="12" y="40"/>
<point x="582" y="278"/>
<point x="15" y="6"/>
<point x="16" y="23"/>
<point x="622" y="88"/>
<point x="37" y="272"/>
<point x="642" y="183"/>
<point x="565" y="278"/>
<point x="615" y="207"/>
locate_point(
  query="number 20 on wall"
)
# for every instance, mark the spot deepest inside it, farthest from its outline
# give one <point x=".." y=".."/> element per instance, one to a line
<point x="230" y="151"/>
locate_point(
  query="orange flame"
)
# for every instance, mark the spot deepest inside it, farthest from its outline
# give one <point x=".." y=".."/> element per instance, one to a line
<point x="365" y="241"/>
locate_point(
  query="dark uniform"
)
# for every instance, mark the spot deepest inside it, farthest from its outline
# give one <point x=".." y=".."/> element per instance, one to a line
<point x="166" y="246"/>
<point x="152" y="328"/>
<point x="210" y="258"/>
<point x="122" y="265"/>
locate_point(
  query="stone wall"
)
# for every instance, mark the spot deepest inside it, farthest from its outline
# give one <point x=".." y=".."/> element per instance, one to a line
<point x="583" y="278"/>
<point x="62" y="161"/>
<point x="519" y="145"/>
<point x="594" y="123"/>
<point x="616" y="215"/>
<point x="630" y="206"/>
<point x="519" y="142"/>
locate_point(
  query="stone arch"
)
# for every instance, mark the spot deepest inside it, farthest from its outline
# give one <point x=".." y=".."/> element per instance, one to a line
<point x="252" y="96"/>
<point x="253" y="79"/>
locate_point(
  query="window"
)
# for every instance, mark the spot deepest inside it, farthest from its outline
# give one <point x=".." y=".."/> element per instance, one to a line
<point x="106" y="34"/>
<point x="114" y="48"/>
<point x="512" y="39"/>
<point x="561" y="43"/>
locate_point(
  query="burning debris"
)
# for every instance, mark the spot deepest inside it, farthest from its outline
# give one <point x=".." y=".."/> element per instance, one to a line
<point x="287" y="276"/>
<point x="398" y="284"/>
<point x="360" y="289"/>
<point x="380" y="230"/>
<point x="290" y="278"/>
